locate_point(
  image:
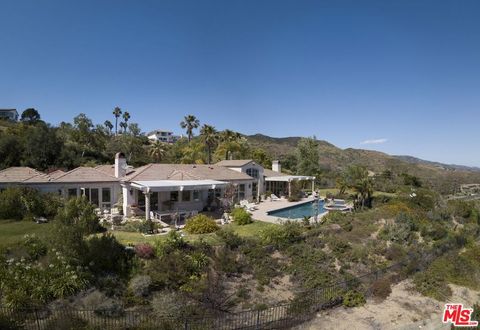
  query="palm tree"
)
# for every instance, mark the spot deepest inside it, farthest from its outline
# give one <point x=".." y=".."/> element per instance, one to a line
<point x="157" y="150"/>
<point x="117" y="112"/>
<point x="108" y="125"/>
<point x="230" y="142"/>
<point x="209" y="136"/>
<point x="190" y="122"/>
<point x="124" y="125"/>
<point x="126" y="117"/>
<point x="193" y="154"/>
<point x="357" y="178"/>
<point x="341" y="184"/>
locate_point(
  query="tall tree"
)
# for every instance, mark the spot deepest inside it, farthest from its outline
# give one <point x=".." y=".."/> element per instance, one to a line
<point x="124" y="127"/>
<point x="126" y="117"/>
<point x="357" y="178"/>
<point x="157" y="150"/>
<point x="229" y="142"/>
<point x="308" y="157"/>
<point x="190" y="122"/>
<point x="117" y="112"/>
<point x="108" y="125"/>
<point x="209" y="136"/>
<point x="30" y="116"/>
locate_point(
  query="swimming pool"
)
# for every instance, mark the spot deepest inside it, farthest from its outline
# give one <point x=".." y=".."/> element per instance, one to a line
<point x="298" y="211"/>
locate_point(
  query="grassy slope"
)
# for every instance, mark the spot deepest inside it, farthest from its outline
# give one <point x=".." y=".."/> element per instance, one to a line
<point x="244" y="231"/>
<point x="12" y="231"/>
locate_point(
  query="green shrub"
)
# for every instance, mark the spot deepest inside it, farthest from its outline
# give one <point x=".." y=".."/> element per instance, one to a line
<point x="79" y="213"/>
<point x="283" y="235"/>
<point x="140" y="285"/>
<point x="201" y="224"/>
<point x="105" y="255"/>
<point x="34" y="246"/>
<point x="432" y="285"/>
<point x="230" y="238"/>
<point x="25" y="203"/>
<point x="353" y="299"/>
<point x="241" y="216"/>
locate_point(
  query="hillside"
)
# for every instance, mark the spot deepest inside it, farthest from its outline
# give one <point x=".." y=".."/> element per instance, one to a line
<point x="336" y="159"/>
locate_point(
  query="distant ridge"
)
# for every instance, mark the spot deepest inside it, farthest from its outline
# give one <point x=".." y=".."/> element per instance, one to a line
<point x="415" y="160"/>
<point x="336" y="159"/>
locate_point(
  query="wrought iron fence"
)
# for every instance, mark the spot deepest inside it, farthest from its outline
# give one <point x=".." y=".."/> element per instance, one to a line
<point x="275" y="317"/>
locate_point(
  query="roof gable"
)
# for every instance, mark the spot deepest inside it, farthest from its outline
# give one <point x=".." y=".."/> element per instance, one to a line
<point x="234" y="162"/>
<point x="18" y="174"/>
<point x="85" y="174"/>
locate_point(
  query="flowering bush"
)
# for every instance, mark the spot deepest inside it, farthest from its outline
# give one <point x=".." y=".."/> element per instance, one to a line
<point x="34" y="246"/>
<point x="24" y="283"/>
<point x="144" y="251"/>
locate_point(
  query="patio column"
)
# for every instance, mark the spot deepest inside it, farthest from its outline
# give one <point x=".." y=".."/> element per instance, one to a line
<point x="289" y="188"/>
<point x="313" y="185"/>
<point x="147" y="205"/>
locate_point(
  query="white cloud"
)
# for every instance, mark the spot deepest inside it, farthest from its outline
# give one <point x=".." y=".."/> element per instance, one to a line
<point x="374" y="141"/>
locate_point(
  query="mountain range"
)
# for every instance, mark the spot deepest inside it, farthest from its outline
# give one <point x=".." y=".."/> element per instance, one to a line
<point x="334" y="158"/>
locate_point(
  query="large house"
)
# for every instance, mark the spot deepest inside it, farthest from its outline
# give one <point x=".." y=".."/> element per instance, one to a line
<point x="9" y="114"/>
<point x="162" y="136"/>
<point x="156" y="187"/>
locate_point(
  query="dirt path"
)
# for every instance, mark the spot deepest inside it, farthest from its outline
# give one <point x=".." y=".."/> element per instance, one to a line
<point x="403" y="309"/>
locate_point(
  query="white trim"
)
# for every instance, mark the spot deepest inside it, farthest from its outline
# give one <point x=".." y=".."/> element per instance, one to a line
<point x="176" y="185"/>
<point x="289" y="178"/>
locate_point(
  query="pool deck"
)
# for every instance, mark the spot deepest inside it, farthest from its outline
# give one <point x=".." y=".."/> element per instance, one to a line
<point x="268" y="206"/>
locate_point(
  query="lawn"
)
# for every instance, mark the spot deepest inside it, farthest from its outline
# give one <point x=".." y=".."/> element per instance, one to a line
<point x="250" y="230"/>
<point x="12" y="231"/>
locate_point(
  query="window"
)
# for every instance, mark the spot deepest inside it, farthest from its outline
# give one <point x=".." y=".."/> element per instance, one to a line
<point x="186" y="194"/>
<point x="106" y="198"/>
<point x="174" y="196"/>
<point x="241" y="191"/>
<point x="196" y="195"/>
<point x="94" y="196"/>
<point x="253" y="172"/>
<point x="218" y="192"/>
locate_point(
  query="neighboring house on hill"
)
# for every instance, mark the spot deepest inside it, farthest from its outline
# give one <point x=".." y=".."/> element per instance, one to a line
<point x="9" y="114"/>
<point x="163" y="136"/>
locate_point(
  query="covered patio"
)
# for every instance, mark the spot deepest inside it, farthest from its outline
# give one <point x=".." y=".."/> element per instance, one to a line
<point x="282" y="185"/>
<point x="162" y="198"/>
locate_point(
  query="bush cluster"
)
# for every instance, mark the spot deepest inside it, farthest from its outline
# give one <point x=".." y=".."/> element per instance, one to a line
<point x="144" y="251"/>
<point x="353" y="299"/>
<point x="21" y="203"/>
<point x="201" y="224"/>
<point x="241" y="216"/>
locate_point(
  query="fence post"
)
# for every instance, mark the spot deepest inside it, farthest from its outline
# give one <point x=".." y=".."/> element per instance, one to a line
<point x="185" y="324"/>
<point x="37" y="321"/>
<point x="257" y="326"/>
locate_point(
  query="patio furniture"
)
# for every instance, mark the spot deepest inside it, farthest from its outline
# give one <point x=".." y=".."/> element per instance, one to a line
<point x="274" y="197"/>
<point x="40" y="220"/>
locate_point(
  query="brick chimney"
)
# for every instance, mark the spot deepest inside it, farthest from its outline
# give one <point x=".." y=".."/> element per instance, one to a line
<point x="120" y="165"/>
<point x="276" y="166"/>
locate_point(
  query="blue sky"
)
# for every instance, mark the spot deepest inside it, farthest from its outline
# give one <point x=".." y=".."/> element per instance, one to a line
<point x="402" y="77"/>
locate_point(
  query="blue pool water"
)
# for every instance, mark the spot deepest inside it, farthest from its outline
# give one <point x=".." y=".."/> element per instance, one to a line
<point x="298" y="211"/>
